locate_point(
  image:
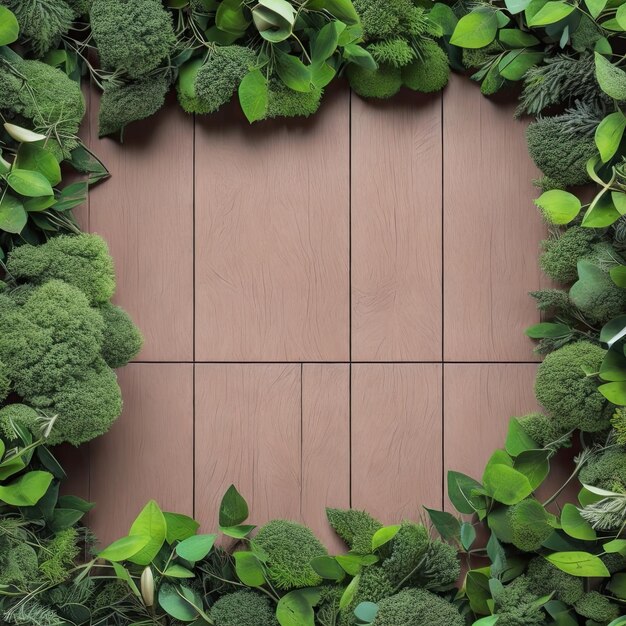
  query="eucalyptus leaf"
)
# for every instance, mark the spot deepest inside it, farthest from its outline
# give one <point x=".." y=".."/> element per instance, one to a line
<point x="477" y="29"/>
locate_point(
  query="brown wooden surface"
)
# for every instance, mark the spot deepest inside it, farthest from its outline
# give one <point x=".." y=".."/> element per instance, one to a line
<point x="340" y="267"/>
<point x="147" y="454"/>
<point x="491" y="229"/>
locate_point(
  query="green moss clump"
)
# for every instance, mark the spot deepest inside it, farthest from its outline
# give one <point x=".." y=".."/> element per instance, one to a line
<point x="540" y="428"/>
<point x="290" y="548"/>
<point x="243" y="608"/>
<point x="529" y="525"/>
<point x="407" y="548"/>
<point x="386" y="19"/>
<point x="567" y="393"/>
<point x="53" y="337"/>
<point x="81" y="8"/>
<point x="356" y="528"/>
<point x="430" y="72"/>
<point x="384" y="82"/>
<point x="219" y="77"/>
<point x="5" y="383"/>
<point x="542" y="575"/>
<point x="416" y="606"/>
<point x="597" y="607"/>
<point x="614" y="561"/>
<point x="606" y="470"/>
<point x="285" y="102"/>
<point x="124" y="103"/>
<point x="87" y="406"/>
<point x="18" y="562"/>
<point x="598" y="299"/>
<point x="441" y="567"/>
<point x="79" y="260"/>
<point x="586" y="35"/>
<point x="561" y="254"/>
<point x="17" y="414"/>
<point x="53" y="102"/>
<point x="477" y="57"/>
<point x="134" y="36"/>
<point x="121" y="338"/>
<point x="560" y="154"/>
<point x="515" y="605"/>
<point x="42" y="22"/>
<point x="552" y="300"/>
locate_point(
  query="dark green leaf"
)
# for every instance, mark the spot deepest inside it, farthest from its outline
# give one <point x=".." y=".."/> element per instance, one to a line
<point x="253" y="98"/>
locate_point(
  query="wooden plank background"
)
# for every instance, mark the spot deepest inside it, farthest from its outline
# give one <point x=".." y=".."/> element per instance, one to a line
<point x="333" y="308"/>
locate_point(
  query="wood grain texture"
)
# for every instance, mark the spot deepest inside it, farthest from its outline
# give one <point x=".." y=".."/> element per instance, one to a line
<point x="145" y="212"/>
<point x="492" y="229"/>
<point x="396" y="439"/>
<point x="396" y="229"/>
<point x="325" y="446"/>
<point x="479" y="400"/>
<point x="248" y="433"/>
<point x="148" y="453"/>
<point x="272" y="240"/>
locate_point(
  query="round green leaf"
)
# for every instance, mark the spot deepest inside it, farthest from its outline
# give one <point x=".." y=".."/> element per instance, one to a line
<point x="384" y="535"/>
<point x="124" y="548"/>
<point x="253" y="98"/>
<point x="614" y="392"/>
<point x="328" y="568"/>
<point x="179" y="602"/>
<point x="195" y="548"/>
<point x="559" y="207"/>
<point x="9" y="28"/>
<point x="30" y="184"/>
<point x="580" y="564"/>
<point x="366" y="612"/>
<point x="612" y="79"/>
<point x="249" y="569"/>
<point x="26" y="490"/>
<point x="476" y="29"/>
<point x="36" y="158"/>
<point x="609" y="133"/>
<point x="505" y="484"/>
<point x="574" y="525"/>
<point x="295" y="609"/>
<point x="550" y="13"/>
<point x="13" y="216"/>
<point x="149" y="523"/>
<point x="233" y="508"/>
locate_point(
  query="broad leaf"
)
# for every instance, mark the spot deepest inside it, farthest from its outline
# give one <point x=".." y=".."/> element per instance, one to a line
<point x="233" y="508"/>
<point x="612" y="79"/>
<point x="9" y="28"/>
<point x="149" y="523"/>
<point x="445" y="523"/>
<point x="195" y="548"/>
<point x="124" y="548"/>
<point x="30" y="184"/>
<point x="13" y="216"/>
<point x="179" y="527"/>
<point x="550" y="13"/>
<point x="609" y="133"/>
<point x="559" y="207"/>
<point x="580" y="564"/>
<point x="253" y="95"/>
<point x="296" y="608"/>
<point x="33" y="157"/>
<point x="476" y="29"/>
<point x="27" y="490"/>
<point x="249" y="569"/>
<point x="574" y="525"/>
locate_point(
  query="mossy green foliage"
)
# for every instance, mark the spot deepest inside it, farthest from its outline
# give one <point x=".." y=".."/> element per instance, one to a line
<point x="54" y="346"/>
<point x="15" y="416"/>
<point x="606" y="470"/>
<point x="561" y="254"/>
<point x="389" y="19"/>
<point x="430" y="72"/>
<point x="53" y="102"/>
<point x="618" y="422"/>
<point x="558" y="152"/>
<point x="355" y="527"/>
<point x="132" y="36"/>
<point x="543" y="576"/>
<point x="290" y="548"/>
<point x="407" y="550"/>
<point x="540" y="428"/>
<point x="285" y="102"/>
<point x="121" y="338"/>
<point x="82" y="261"/>
<point x="18" y="560"/>
<point x="417" y="607"/>
<point x="381" y="83"/>
<point x="219" y="77"/>
<point x="5" y="383"/>
<point x="570" y="396"/>
<point x="243" y="608"/>
<point x="123" y="103"/>
<point x="42" y="22"/>
<point x="516" y="605"/>
<point x="597" y="608"/>
<point x="529" y="525"/>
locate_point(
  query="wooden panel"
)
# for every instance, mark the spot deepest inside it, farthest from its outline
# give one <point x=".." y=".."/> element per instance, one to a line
<point x="248" y="432"/>
<point x="492" y="229"/>
<point x="148" y="452"/>
<point x="396" y="229"/>
<point x="479" y="399"/>
<point x="325" y="446"/>
<point x="272" y="215"/>
<point x="75" y="462"/>
<point x="396" y="439"/>
<point x="145" y="212"/>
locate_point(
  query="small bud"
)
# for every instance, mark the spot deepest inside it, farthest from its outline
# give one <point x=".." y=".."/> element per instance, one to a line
<point x="147" y="586"/>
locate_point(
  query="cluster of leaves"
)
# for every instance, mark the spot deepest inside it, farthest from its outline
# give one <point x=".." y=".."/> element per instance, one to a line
<point x="277" y="55"/>
<point x="164" y="572"/>
<point x="42" y="108"/>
